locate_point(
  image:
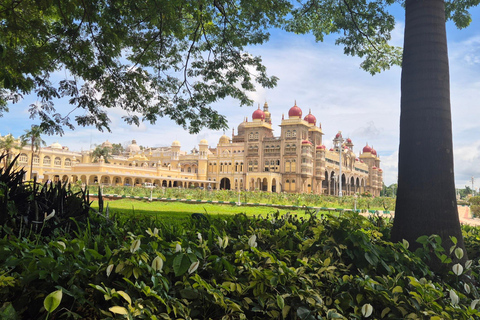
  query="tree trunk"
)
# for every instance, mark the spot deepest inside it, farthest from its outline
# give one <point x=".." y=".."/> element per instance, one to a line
<point x="426" y="201"/>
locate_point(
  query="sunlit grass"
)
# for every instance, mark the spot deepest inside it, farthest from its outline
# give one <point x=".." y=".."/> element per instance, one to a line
<point x="181" y="210"/>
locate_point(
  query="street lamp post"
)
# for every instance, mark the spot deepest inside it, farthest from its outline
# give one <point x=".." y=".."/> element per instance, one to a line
<point x="337" y="142"/>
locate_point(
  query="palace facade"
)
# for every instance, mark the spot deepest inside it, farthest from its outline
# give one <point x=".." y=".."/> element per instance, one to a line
<point x="297" y="161"/>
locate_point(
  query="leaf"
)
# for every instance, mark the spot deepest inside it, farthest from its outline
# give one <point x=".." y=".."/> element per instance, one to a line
<point x="326" y="263"/>
<point x="193" y="267"/>
<point x="118" y="310"/>
<point x="397" y="289"/>
<point x="135" y="245"/>
<point x="157" y="264"/>
<point x="52" y="301"/>
<point x="304" y="313"/>
<point x="181" y="263"/>
<point x="125" y="296"/>
<point x="386" y="311"/>
<point x="280" y="302"/>
<point x="285" y="311"/>
<point x="367" y="310"/>
<point x="109" y="270"/>
<point x="459" y="253"/>
<point x="7" y="312"/>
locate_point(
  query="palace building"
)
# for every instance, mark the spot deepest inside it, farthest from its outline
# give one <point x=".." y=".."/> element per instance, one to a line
<point x="297" y="161"/>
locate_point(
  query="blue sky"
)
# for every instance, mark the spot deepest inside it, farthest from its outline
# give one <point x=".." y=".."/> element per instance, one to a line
<point x="318" y="76"/>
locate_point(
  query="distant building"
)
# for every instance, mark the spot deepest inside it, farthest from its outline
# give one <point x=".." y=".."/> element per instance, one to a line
<point x="297" y="161"/>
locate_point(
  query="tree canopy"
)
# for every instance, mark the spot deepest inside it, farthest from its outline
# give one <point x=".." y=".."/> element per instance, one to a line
<point x="169" y="58"/>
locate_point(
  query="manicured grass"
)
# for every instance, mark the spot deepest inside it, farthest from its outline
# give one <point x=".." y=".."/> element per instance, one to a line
<point x="179" y="210"/>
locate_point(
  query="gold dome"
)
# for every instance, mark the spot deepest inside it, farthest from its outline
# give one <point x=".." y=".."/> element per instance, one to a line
<point x="224" y="140"/>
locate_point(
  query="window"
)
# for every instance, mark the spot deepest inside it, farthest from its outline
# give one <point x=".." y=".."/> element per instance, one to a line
<point x="58" y="162"/>
<point x="294" y="166"/>
<point x="250" y="166"/>
<point x="47" y="161"/>
<point x="23" y="158"/>
<point x="294" y="133"/>
<point x="288" y="134"/>
<point x="68" y="162"/>
<point x="36" y="160"/>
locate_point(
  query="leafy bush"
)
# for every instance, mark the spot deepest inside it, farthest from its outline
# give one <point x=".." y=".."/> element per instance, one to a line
<point x="277" y="267"/>
<point x="25" y="207"/>
<point x="475" y="206"/>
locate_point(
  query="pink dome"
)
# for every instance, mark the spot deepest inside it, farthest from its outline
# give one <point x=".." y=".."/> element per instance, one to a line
<point x="374" y="168"/>
<point x="258" y="114"/>
<point x="306" y="142"/>
<point x="295" y="111"/>
<point x="310" y="118"/>
<point x="349" y="140"/>
<point x="331" y="149"/>
<point x="321" y="147"/>
<point x="374" y="152"/>
<point x="367" y="149"/>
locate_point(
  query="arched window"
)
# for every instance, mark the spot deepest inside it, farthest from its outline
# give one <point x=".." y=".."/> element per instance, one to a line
<point x="288" y="134"/>
<point x="294" y="133"/>
<point x="68" y="162"/>
<point x="47" y="161"/>
<point x="36" y="160"/>
<point x="58" y="162"/>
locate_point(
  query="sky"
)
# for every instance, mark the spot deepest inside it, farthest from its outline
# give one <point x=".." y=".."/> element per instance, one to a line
<point x="320" y="78"/>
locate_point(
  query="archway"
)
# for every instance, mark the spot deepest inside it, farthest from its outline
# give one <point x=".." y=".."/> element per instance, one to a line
<point x="264" y="184"/>
<point x="274" y="185"/>
<point x="225" y="184"/>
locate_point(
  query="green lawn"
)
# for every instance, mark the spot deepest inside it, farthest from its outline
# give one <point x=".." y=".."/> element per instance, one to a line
<point x="178" y="210"/>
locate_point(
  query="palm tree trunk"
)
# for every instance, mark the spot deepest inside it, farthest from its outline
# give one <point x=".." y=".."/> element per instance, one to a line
<point x="31" y="160"/>
<point x="426" y="202"/>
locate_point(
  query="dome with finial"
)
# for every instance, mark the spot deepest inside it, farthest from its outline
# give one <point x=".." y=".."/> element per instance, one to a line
<point x="241" y="128"/>
<point x="295" y="111"/>
<point x="321" y="147"/>
<point x="107" y="144"/>
<point x="310" y="118"/>
<point x="224" y="139"/>
<point x="367" y="148"/>
<point x="56" y="145"/>
<point x="176" y="143"/>
<point x="374" y="152"/>
<point x="133" y="147"/>
<point x="258" y="114"/>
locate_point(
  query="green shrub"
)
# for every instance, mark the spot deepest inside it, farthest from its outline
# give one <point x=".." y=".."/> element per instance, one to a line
<point x="475" y="206"/>
<point x="275" y="267"/>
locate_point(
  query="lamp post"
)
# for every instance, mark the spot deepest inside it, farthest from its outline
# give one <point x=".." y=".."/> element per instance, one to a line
<point x="337" y="143"/>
